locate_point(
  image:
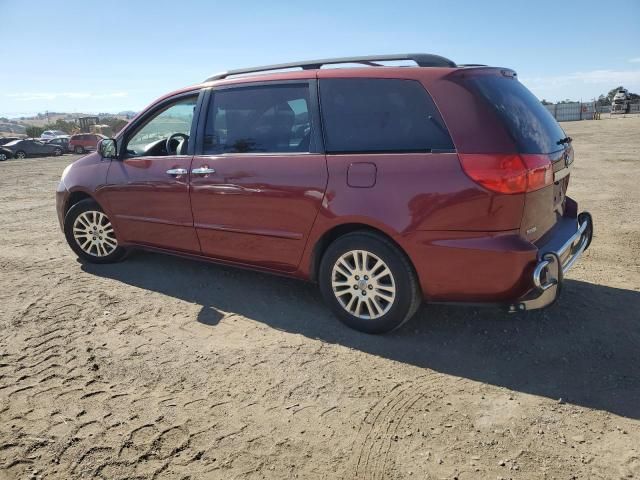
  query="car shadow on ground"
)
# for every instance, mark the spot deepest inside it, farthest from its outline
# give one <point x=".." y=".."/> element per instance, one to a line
<point x="584" y="349"/>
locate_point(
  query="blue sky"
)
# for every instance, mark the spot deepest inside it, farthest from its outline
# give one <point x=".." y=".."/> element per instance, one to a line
<point x="99" y="56"/>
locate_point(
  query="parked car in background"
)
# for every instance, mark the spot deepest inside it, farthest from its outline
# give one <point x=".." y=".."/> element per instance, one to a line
<point x="33" y="147"/>
<point x="5" y="154"/>
<point x="5" y="140"/>
<point x="49" y="134"/>
<point x="385" y="185"/>
<point x="84" y="142"/>
<point x="63" y="141"/>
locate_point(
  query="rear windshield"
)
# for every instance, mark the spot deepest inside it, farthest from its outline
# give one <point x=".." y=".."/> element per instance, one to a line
<point x="530" y="124"/>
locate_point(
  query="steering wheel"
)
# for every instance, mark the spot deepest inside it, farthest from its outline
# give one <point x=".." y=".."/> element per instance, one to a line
<point x="172" y="137"/>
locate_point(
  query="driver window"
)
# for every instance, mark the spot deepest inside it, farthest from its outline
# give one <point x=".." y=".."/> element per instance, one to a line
<point x="175" y="120"/>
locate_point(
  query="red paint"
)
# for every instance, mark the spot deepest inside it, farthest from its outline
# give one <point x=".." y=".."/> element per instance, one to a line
<point x="466" y="242"/>
<point x="149" y="206"/>
<point x="261" y="205"/>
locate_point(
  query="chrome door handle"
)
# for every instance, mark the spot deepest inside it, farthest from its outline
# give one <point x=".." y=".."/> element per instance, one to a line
<point x="202" y="171"/>
<point x="177" y="171"/>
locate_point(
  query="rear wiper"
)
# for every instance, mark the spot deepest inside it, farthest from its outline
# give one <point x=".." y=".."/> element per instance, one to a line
<point x="564" y="140"/>
<point x="438" y="124"/>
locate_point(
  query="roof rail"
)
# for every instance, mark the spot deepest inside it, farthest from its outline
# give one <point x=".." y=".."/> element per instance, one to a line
<point x="421" y="59"/>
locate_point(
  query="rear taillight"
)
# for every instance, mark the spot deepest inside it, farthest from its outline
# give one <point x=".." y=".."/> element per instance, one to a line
<point x="508" y="173"/>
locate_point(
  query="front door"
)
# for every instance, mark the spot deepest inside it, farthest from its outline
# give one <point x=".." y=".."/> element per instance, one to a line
<point x="148" y="189"/>
<point x="258" y="183"/>
<point x="40" y="148"/>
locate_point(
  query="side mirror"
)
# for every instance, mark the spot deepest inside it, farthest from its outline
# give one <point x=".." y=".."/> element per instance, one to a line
<point x="108" y="148"/>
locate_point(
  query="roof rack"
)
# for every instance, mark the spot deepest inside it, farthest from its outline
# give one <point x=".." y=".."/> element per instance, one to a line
<point x="421" y="59"/>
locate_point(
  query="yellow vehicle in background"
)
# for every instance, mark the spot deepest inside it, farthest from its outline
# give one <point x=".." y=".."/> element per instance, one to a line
<point x="91" y="125"/>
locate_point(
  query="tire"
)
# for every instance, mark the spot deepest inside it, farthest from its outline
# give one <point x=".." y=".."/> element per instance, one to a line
<point x="78" y="149"/>
<point x="375" y="313"/>
<point x="21" y="154"/>
<point x="3" y="157"/>
<point x="101" y="247"/>
<point x="57" y="152"/>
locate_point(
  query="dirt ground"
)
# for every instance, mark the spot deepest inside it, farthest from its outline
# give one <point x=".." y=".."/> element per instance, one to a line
<point x="161" y="367"/>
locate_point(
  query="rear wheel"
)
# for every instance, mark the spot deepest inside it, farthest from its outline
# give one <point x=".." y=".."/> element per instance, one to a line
<point x="78" y="149"/>
<point x="90" y="234"/>
<point x="57" y="152"/>
<point x="368" y="283"/>
<point x="21" y="154"/>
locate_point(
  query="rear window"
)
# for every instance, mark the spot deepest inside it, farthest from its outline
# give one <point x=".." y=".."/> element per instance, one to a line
<point x="380" y="115"/>
<point x="529" y="123"/>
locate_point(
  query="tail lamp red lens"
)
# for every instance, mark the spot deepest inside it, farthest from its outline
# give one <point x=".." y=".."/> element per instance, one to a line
<point x="508" y="173"/>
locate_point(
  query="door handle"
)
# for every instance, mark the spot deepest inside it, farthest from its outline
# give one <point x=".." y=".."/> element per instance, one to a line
<point x="202" y="171"/>
<point x="177" y="171"/>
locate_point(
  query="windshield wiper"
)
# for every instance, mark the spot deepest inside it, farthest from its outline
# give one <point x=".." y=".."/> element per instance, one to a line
<point x="438" y="124"/>
<point x="565" y="140"/>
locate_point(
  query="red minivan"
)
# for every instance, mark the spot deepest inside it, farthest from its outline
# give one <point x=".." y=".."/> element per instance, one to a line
<point x="386" y="185"/>
<point x="84" y="142"/>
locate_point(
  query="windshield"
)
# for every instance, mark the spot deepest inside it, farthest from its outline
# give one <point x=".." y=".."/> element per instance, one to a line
<point x="529" y="123"/>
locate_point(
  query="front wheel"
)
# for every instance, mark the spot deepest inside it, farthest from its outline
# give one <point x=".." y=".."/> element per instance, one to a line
<point x="368" y="283"/>
<point x="90" y="234"/>
<point x="78" y="149"/>
<point x="3" y="156"/>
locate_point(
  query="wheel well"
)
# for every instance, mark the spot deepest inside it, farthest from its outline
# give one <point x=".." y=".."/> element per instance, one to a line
<point x="336" y="232"/>
<point x="74" y="198"/>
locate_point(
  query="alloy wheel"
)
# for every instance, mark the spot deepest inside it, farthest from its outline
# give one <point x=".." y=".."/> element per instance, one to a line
<point x="94" y="234"/>
<point x="363" y="284"/>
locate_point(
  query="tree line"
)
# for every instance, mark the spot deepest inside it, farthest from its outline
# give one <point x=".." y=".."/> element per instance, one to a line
<point x="71" y="128"/>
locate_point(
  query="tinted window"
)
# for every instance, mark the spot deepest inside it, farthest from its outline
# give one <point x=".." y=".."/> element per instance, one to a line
<point x="529" y="123"/>
<point x="266" y="119"/>
<point x="380" y="115"/>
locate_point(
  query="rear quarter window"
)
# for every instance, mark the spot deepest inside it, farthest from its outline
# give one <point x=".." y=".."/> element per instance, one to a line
<point x="380" y="115"/>
<point x="529" y="123"/>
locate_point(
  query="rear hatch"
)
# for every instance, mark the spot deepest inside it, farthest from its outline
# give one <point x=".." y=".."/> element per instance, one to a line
<point x="536" y="134"/>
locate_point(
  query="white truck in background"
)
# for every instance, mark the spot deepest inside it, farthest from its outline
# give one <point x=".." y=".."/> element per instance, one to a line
<point x="621" y="102"/>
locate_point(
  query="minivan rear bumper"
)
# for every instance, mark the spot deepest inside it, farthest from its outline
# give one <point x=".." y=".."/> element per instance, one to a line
<point x="571" y="237"/>
<point x="498" y="268"/>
